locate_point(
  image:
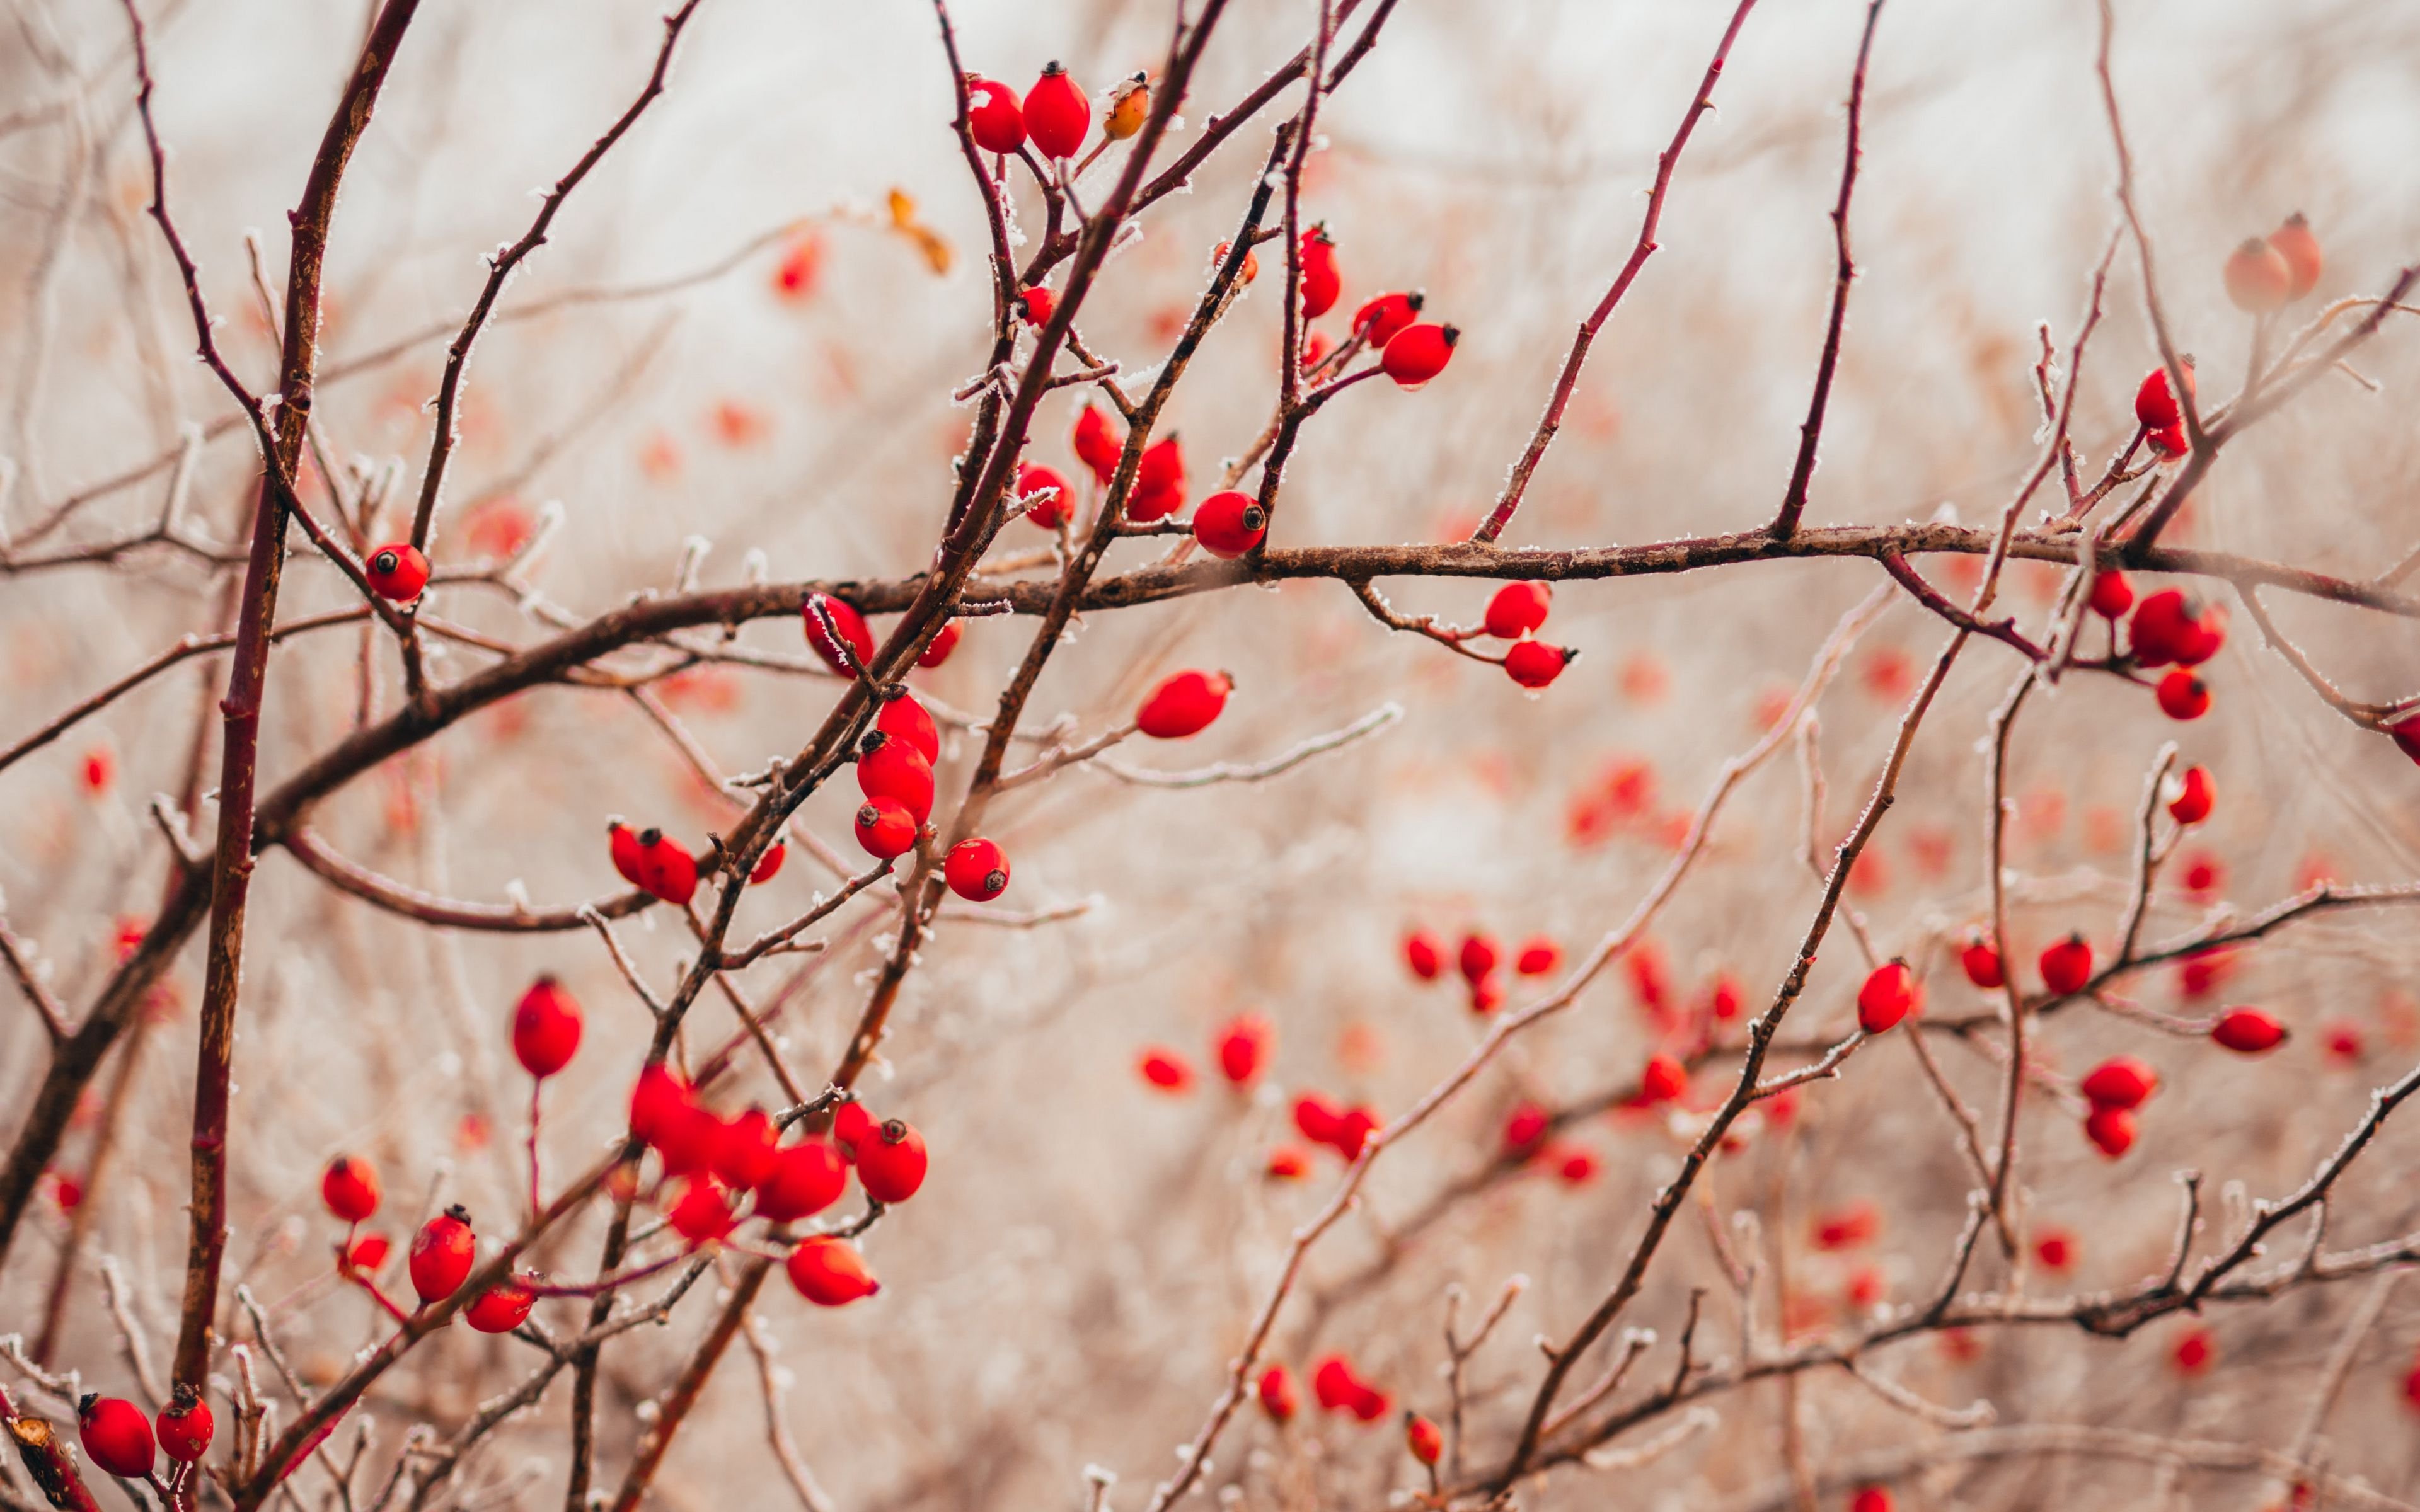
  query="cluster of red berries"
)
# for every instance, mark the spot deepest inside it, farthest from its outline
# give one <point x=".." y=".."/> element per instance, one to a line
<point x="2264" y="274"/>
<point x="852" y="628"/>
<point x="1515" y="614"/>
<point x="1477" y="960"/>
<point x="1334" y="1383"/>
<point x="1345" y="1130"/>
<point x="1055" y="115"/>
<point x="2116" y="1089"/>
<point x="1240" y="1048"/>
<point x="717" y="1159"/>
<point x="657" y="864"/>
<point x="1525" y="1130"/>
<point x="119" y="1439"/>
<point x="2168" y="629"/>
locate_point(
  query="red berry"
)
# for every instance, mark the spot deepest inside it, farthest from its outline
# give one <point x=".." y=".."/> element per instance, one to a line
<point x="1048" y="502"/>
<point x="2301" y="249"/>
<point x="1353" y="1128"/>
<point x="2173" y="441"/>
<point x="1486" y="996"/>
<point x="1095" y="446"/>
<point x="117" y="1435"/>
<point x="745" y="1150"/>
<point x="2183" y="695"/>
<point x="351" y="1188"/>
<point x="687" y="1143"/>
<point x="2195" y="794"/>
<point x="993" y="117"/>
<point x="945" y="641"/>
<point x="885" y="828"/>
<point x="1889" y="994"/>
<point x="976" y="869"/>
<point x="546" y="1028"/>
<point x="1981" y="963"/>
<point x="1243" y="1048"/>
<point x="2342" y="1041"/>
<point x="1379" y="320"/>
<point x="1317" y="1117"/>
<point x="1723" y="1000"/>
<point x="1229" y="524"/>
<point x="1165" y="1069"/>
<point x="702" y="1213"/>
<point x="1333" y="1382"/>
<point x="1422" y="1439"/>
<point x="1662" y="1079"/>
<point x="2155" y="403"/>
<point x="2405" y="733"/>
<point x="1518" y="609"/>
<point x="656" y="1102"/>
<point x="2067" y="965"/>
<point x="895" y="769"/>
<point x="2119" y="1082"/>
<point x="1057" y="114"/>
<point x="1534" y="663"/>
<point x="2112" y="594"/>
<point x="2158" y="627"/>
<point x="1321" y="283"/>
<point x="2055" y="1249"/>
<point x="769" y="865"/>
<point x="1523" y="1127"/>
<point x="1426" y="956"/>
<point x="1418" y="353"/>
<point x="904" y="719"/>
<point x="622" y="843"/>
<point x="1286" y="1163"/>
<point x="1538" y="955"/>
<point x="1277" y="1394"/>
<point x="1371" y="1404"/>
<point x="368" y="1253"/>
<point x="666" y="869"/>
<point x="441" y="1253"/>
<point x="1036" y="305"/>
<point x="2111" y="1129"/>
<point x="1159" y="482"/>
<point x="852" y="1124"/>
<point x="1479" y="956"/>
<point x="2248" y="1031"/>
<point x="502" y="1308"/>
<point x="806" y="1179"/>
<point x="2257" y="280"/>
<point x="848" y="621"/>
<point x="186" y="1426"/>
<point x="890" y="1163"/>
<point x="829" y="1274"/>
<point x="1871" y="1499"/>
<point x="1576" y="1166"/>
<point x="1184" y="705"/>
<point x="2196" y="1348"/>
<point x="396" y="571"/>
<point x="1849" y="1228"/>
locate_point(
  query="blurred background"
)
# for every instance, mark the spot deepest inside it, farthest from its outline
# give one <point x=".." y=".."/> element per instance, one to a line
<point x="747" y="328"/>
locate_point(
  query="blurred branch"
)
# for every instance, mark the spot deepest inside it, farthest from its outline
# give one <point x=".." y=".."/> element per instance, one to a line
<point x="1666" y="161"/>
<point x="1810" y="435"/>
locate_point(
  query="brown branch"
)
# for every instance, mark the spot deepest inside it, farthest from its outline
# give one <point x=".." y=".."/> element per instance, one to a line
<point x="1760" y="1035"/>
<point x="1810" y="433"/>
<point x="239" y="764"/>
<point x="1666" y="161"/>
<point x="407" y="901"/>
<point x="500" y="269"/>
<point x="2003" y="629"/>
